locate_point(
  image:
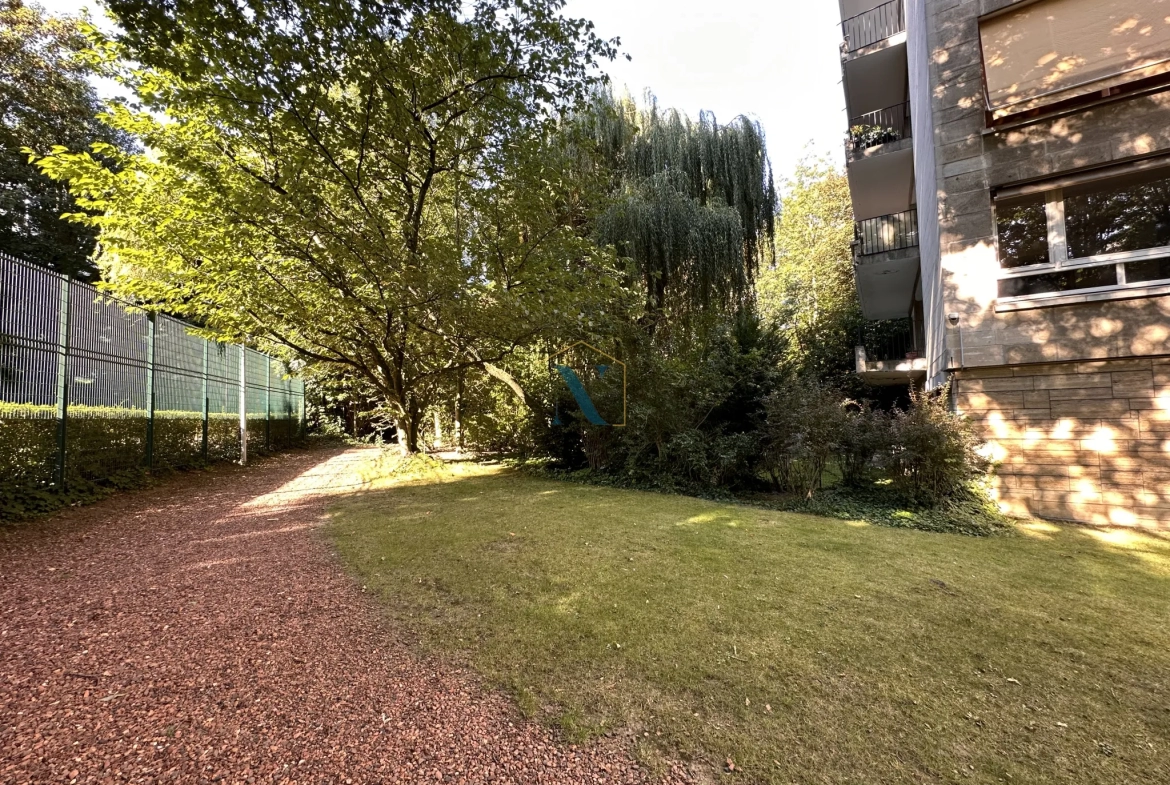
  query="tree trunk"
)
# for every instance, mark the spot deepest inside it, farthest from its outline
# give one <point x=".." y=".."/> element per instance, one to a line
<point x="407" y="427"/>
<point x="459" y="414"/>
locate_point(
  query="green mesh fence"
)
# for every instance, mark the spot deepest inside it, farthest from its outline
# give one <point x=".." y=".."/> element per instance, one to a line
<point x="91" y="392"/>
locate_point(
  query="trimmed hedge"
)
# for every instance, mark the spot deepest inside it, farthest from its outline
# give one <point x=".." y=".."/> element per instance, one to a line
<point x="106" y="449"/>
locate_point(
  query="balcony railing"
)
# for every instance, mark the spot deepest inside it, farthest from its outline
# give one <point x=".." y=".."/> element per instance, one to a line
<point x="891" y="340"/>
<point x="876" y="24"/>
<point x="887" y="233"/>
<point x="881" y="127"/>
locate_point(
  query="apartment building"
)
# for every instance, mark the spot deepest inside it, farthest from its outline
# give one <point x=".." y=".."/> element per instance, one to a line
<point x="1009" y="163"/>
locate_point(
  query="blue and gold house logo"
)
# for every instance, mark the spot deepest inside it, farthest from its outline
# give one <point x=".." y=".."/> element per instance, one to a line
<point x="596" y="382"/>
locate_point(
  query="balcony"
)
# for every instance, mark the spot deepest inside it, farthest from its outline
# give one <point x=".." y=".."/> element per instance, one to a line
<point x="875" y="26"/>
<point x="889" y="353"/>
<point x="887" y="233"/>
<point x="886" y="263"/>
<point x="884" y="128"/>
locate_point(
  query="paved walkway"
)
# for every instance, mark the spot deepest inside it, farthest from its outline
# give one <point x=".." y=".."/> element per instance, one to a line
<point x="202" y="631"/>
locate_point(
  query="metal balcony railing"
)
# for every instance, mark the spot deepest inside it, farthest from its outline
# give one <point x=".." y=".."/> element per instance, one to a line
<point x="887" y="233"/>
<point x="891" y="340"/>
<point x="876" y="24"/>
<point x="880" y="127"/>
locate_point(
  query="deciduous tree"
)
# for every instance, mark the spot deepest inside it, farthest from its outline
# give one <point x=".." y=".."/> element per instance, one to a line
<point x="810" y="293"/>
<point x="692" y="204"/>
<point x="372" y="185"/>
<point x="45" y="100"/>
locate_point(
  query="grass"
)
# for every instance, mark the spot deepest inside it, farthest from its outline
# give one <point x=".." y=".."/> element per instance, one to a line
<point x="807" y="650"/>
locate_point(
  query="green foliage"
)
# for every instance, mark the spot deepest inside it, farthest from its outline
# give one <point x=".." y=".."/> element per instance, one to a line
<point x="934" y="452"/>
<point x="106" y="450"/>
<point x="866" y="433"/>
<point x="45" y="100"/>
<point x="370" y="186"/>
<point x="693" y="203"/>
<point x="968" y="512"/>
<point x="865" y="136"/>
<point x="692" y="417"/>
<point x="810" y="292"/>
<point x="918" y="468"/>
<point x="803" y="428"/>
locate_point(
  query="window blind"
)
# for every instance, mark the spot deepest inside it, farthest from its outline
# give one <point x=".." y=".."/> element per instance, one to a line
<point x="1053" y="50"/>
<point x="1081" y="178"/>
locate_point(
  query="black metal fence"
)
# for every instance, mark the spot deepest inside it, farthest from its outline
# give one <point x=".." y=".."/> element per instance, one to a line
<point x="876" y="24"/>
<point x="890" y="124"/>
<point x="889" y="340"/>
<point x="887" y="232"/>
<point x="91" y="390"/>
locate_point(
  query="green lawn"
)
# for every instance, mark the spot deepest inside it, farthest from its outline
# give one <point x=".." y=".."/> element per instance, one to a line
<point x="807" y="650"/>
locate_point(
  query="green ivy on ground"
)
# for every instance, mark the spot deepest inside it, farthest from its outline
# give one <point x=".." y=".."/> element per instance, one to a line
<point x="970" y="513"/>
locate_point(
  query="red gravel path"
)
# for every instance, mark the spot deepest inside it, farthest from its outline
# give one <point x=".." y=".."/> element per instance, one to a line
<point x="201" y="631"/>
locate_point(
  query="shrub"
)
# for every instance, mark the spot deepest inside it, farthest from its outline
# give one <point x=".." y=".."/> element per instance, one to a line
<point x="691" y="414"/>
<point x="803" y="427"/>
<point x="934" y="452"/>
<point x="866" y="434"/>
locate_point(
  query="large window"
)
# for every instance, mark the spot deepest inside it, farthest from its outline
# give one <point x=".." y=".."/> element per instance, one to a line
<point x="1084" y="233"/>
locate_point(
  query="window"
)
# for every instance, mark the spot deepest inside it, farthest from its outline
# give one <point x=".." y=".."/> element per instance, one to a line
<point x="1023" y="231"/>
<point x="1053" y="51"/>
<point x="1047" y="283"/>
<point x="1128" y="213"/>
<point x="1153" y="270"/>
<point x="1086" y="232"/>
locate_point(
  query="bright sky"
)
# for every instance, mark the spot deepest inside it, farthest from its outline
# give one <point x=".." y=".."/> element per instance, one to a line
<point x="775" y="60"/>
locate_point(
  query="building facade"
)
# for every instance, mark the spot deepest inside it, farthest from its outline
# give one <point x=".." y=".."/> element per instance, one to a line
<point x="1009" y="163"/>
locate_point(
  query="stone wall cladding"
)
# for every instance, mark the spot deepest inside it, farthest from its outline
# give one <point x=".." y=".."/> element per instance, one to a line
<point x="970" y="162"/>
<point x="1086" y="441"/>
<point x="1074" y="400"/>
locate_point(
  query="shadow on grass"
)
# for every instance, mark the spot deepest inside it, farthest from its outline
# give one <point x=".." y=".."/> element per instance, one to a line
<point x="789" y="642"/>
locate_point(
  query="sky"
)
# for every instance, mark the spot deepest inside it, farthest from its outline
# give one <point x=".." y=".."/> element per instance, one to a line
<point x="774" y="60"/>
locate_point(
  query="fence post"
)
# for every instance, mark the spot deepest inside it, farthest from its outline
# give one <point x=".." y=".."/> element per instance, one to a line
<point x="150" y="325"/>
<point x="267" y="402"/>
<point x="62" y="379"/>
<point x="302" y="423"/>
<point x="243" y="407"/>
<point x="206" y="406"/>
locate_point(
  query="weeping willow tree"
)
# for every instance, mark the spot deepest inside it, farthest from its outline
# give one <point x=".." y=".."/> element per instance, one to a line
<point x="693" y="204"/>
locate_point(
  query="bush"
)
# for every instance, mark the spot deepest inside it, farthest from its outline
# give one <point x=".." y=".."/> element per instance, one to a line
<point x="866" y="434"/>
<point x="106" y="449"/>
<point x="934" y="453"/>
<point x="803" y="428"/>
<point x="691" y="415"/>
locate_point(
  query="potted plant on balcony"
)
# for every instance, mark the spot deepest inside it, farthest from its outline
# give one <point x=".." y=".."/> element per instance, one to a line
<point x="866" y="136"/>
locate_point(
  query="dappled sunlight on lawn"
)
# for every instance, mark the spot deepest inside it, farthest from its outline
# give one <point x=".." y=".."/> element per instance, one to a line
<point x="1038" y="529"/>
<point x="743" y="630"/>
<point x="717" y="517"/>
<point x="1152" y="549"/>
